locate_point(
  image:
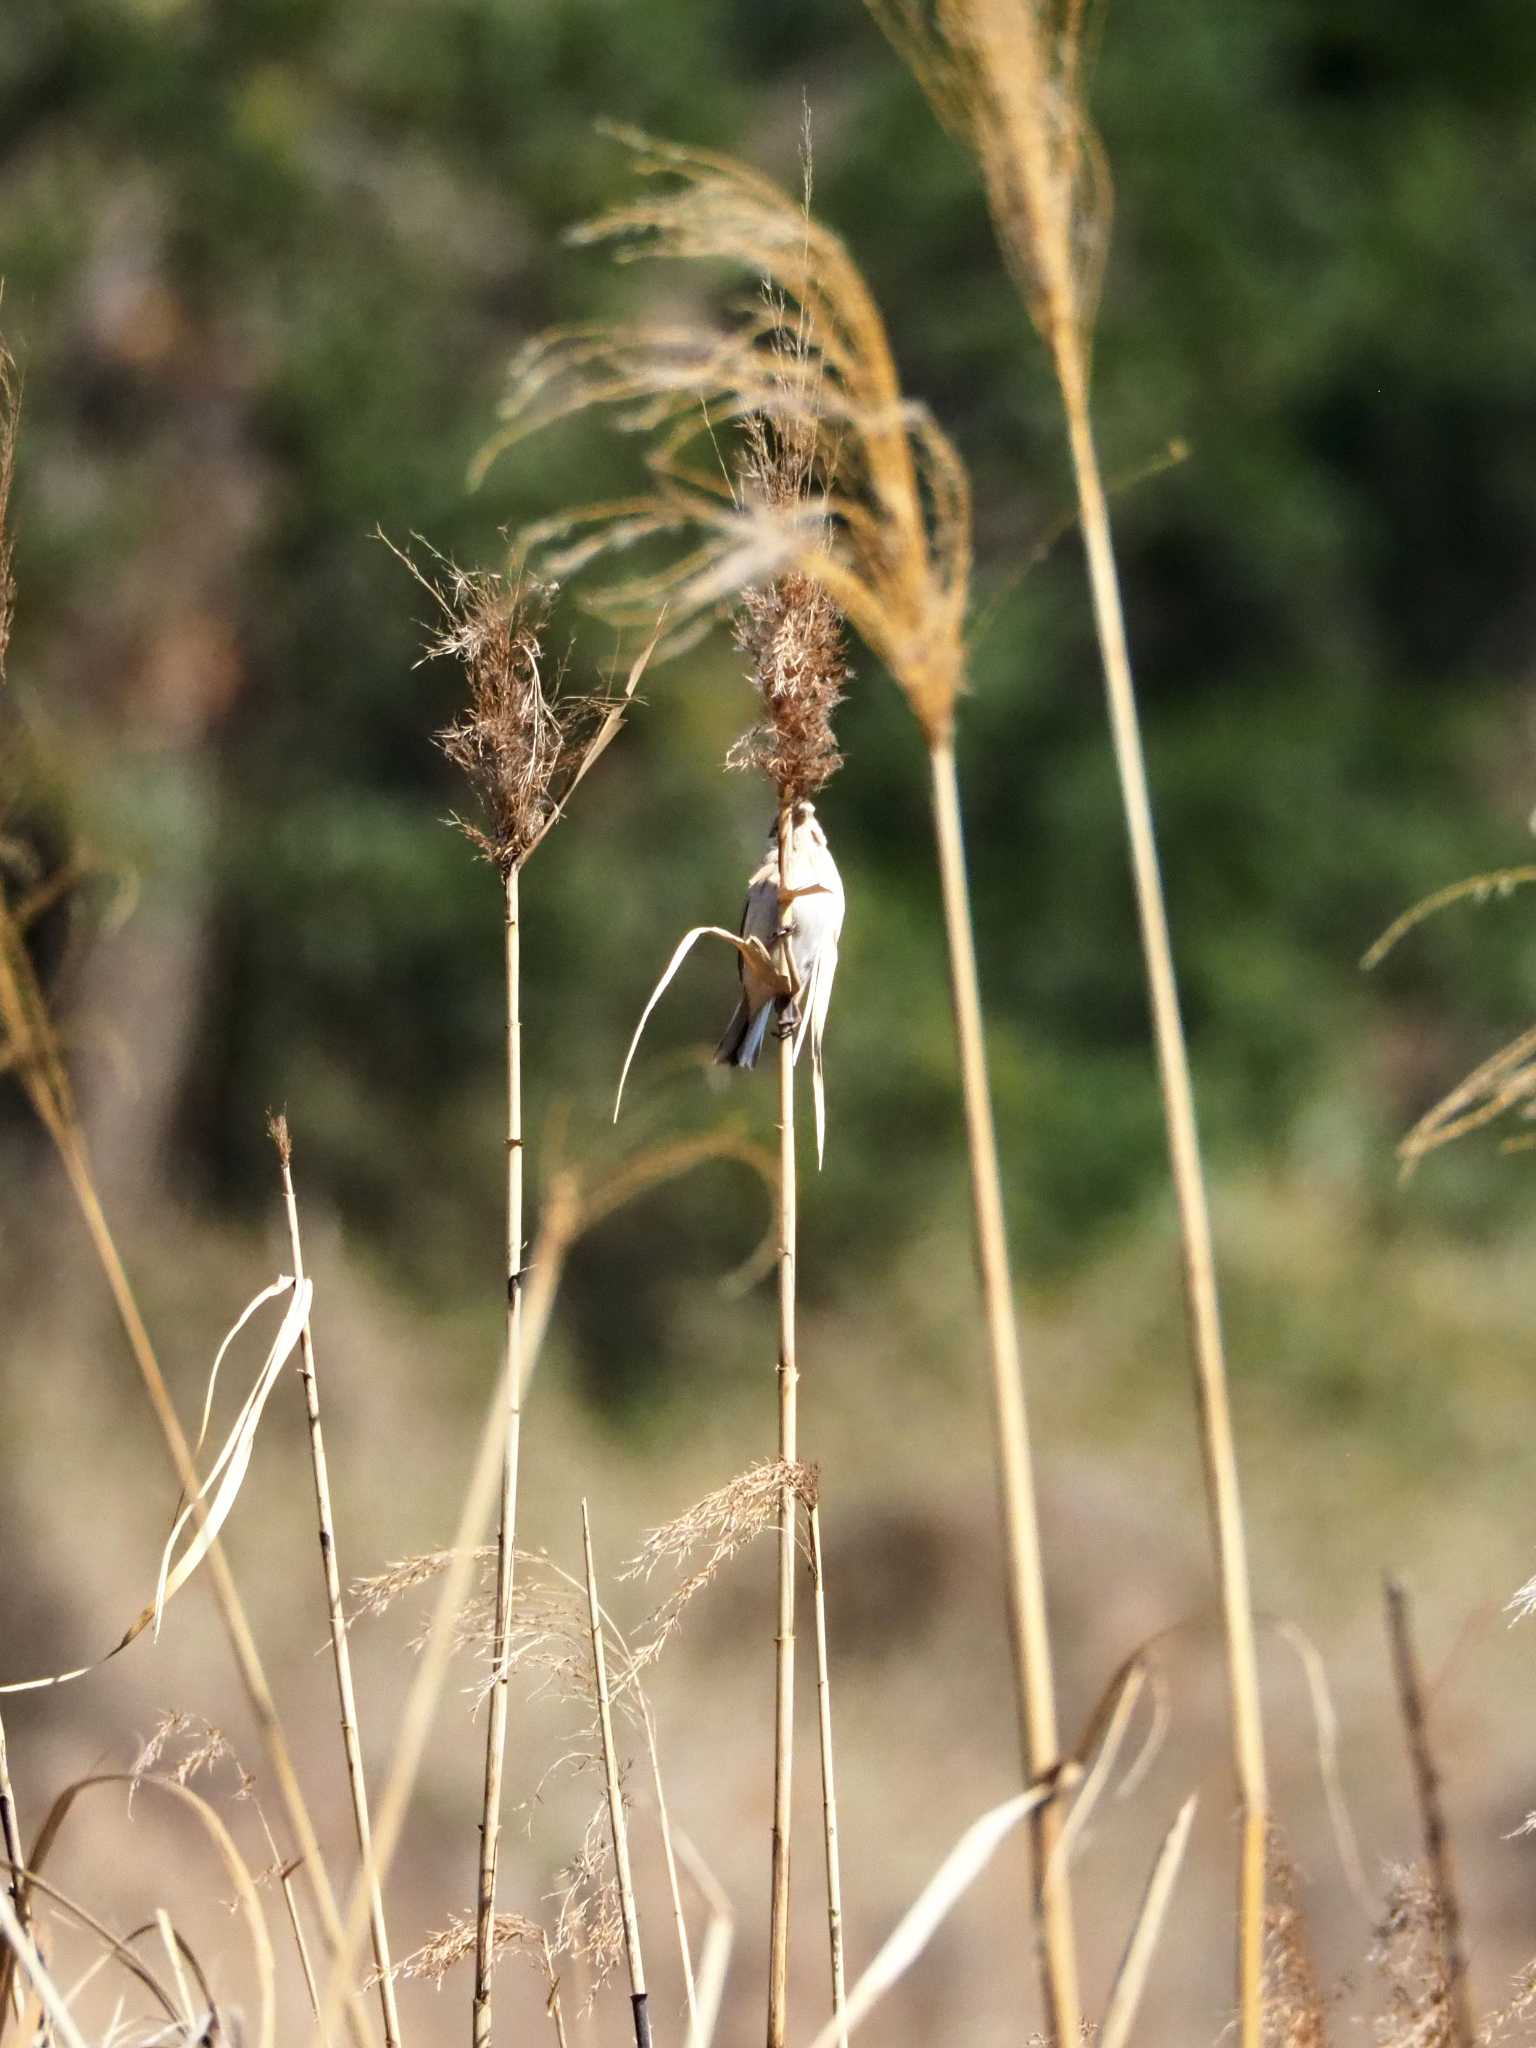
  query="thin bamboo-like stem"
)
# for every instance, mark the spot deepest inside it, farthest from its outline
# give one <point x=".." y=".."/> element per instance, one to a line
<point x="1027" y="1616"/>
<point x="10" y="1842"/>
<point x="1203" y="1309"/>
<point x="506" y="1536"/>
<point x="1426" y="1785"/>
<point x="231" y="1608"/>
<point x="674" y="1884"/>
<point x="788" y="1376"/>
<point x="616" y="1819"/>
<point x="341" y="1653"/>
<point x="828" y="1777"/>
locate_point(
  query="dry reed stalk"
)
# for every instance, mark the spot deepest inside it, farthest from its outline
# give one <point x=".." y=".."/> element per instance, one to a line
<point x="1027" y="1612"/>
<point x="506" y="1537"/>
<point x="784" y="1637"/>
<point x="887" y="537"/>
<point x="523" y="745"/>
<point x="1007" y="76"/>
<point x="10" y="1842"/>
<point x="828" y="1775"/>
<point x="616" y="1818"/>
<point x="32" y="1040"/>
<point x="1437" y="1841"/>
<point x="341" y="1654"/>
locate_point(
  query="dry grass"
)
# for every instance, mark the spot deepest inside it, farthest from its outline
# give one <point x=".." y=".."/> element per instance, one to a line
<point x="848" y="503"/>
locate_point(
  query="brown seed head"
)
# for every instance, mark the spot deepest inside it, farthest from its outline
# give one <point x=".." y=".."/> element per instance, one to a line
<point x="789" y="630"/>
<point x="522" y="742"/>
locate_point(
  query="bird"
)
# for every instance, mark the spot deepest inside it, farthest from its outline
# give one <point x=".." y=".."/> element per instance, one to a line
<point x="805" y="908"/>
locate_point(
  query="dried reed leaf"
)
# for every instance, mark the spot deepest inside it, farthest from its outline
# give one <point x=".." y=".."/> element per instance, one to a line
<point x="232" y="1463"/>
<point x="754" y="950"/>
<point x="1131" y="1977"/>
<point x="923" y="1918"/>
<point x="234" y="1459"/>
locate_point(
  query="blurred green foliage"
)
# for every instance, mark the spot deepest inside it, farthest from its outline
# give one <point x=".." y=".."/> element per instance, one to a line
<point x="265" y="261"/>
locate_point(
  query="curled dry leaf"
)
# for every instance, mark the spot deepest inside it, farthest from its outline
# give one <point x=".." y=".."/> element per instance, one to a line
<point x="229" y="1470"/>
<point x="763" y="964"/>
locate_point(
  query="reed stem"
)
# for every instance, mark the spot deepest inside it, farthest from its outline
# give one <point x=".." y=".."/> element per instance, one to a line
<point x="828" y="1777"/>
<point x="1027" y="1615"/>
<point x="1202" y="1306"/>
<point x="788" y="1381"/>
<point x="616" y="1818"/>
<point x="341" y="1653"/>
<point x="506" y="1537"/>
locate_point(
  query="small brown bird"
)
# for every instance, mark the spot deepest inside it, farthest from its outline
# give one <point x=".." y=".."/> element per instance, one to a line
<point x="808" y="914"/>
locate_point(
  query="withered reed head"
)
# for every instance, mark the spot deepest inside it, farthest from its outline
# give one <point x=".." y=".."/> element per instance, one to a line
<point x="883" y="525"/>
<point x="789" y="630"/>
<point x="1008" y="78"/>
<point x="522" y="741"/>
<point x="281" y="1136"/>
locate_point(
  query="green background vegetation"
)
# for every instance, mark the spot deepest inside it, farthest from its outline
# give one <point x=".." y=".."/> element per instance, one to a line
<point x="265" y="263"/>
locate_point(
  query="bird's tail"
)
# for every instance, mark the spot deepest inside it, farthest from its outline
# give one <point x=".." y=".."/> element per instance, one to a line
<point x="744" y="1036"/>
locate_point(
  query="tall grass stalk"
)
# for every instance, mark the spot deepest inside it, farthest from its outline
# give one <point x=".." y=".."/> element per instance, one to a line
<point x="618" y="1824"/>
<point x="1223" y="1493"/>
<point x="341" y="1654"/>
<point x="506" y="1534"/>
<point x="828" y="1774"/>
<point x="1027" y="1614"/>
<point x="789" y="1507"/>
